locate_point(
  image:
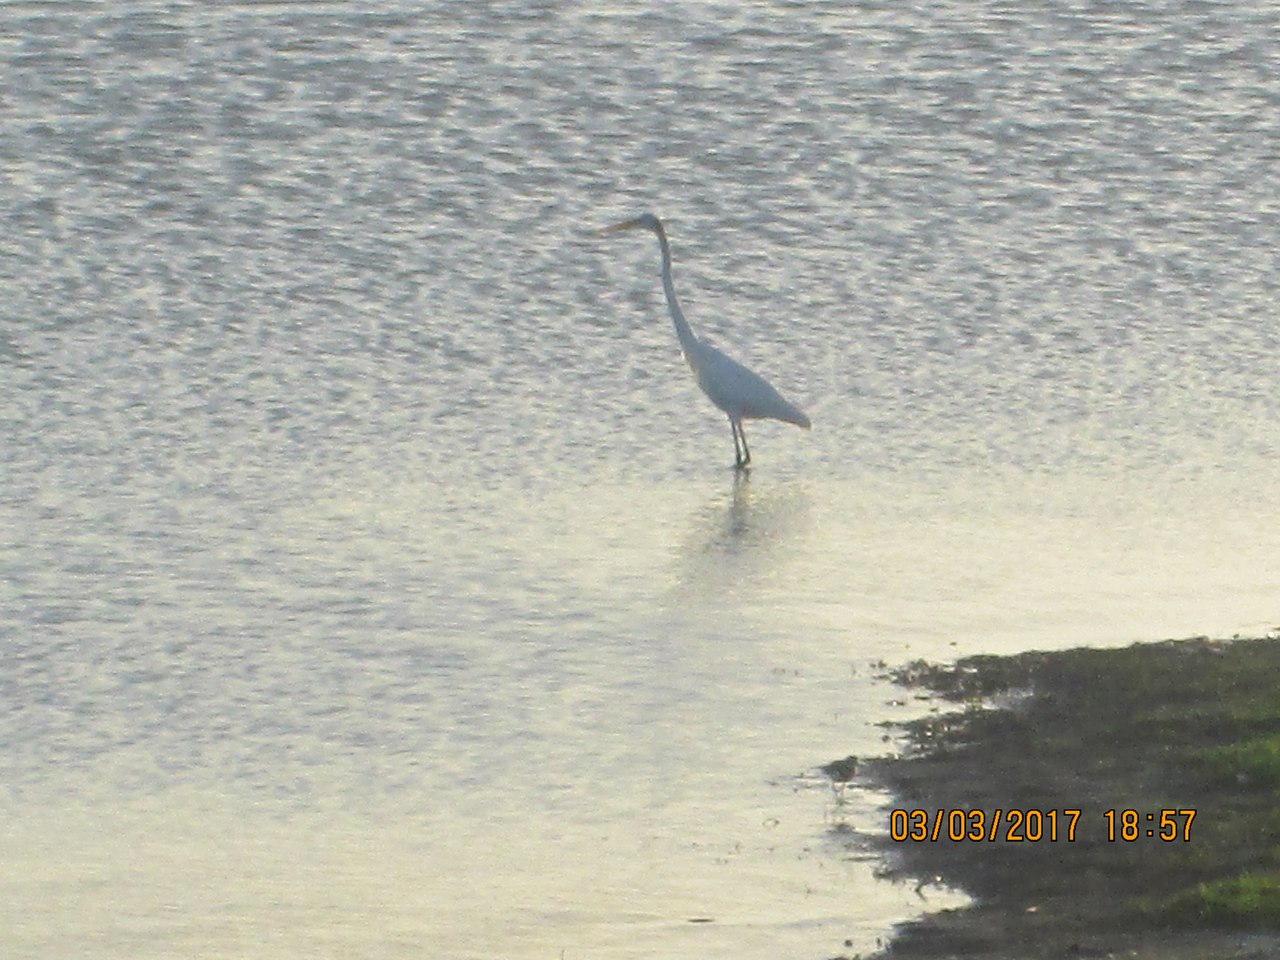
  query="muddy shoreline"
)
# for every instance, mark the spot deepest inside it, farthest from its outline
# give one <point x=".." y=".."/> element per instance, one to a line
<point x="1185" y="734"/>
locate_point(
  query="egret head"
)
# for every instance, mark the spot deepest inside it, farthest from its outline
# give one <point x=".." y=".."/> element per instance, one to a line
<point x="646" y="221"/>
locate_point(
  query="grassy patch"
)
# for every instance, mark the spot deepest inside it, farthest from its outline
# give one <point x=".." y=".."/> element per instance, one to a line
<point x="1244" y="902"/>
<point x="1253" y="763"/>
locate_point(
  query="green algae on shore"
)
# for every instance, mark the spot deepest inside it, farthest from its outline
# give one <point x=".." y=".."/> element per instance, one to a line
<point x="1170" y="753"/>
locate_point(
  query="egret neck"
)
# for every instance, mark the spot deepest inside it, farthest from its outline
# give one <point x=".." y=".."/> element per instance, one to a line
<point x="683" y="331"/>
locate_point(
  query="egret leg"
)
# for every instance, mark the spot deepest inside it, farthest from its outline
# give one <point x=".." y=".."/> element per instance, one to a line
<point x="741" y="455"/>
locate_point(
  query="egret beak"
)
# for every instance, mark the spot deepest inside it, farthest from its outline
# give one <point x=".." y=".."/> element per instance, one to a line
<point x="624" y="225"/>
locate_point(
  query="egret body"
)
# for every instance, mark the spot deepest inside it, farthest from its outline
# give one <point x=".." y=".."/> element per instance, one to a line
<point x="741" y="393"/>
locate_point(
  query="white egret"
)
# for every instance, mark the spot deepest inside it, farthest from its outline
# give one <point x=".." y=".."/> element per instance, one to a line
<point x="741" y="393"/>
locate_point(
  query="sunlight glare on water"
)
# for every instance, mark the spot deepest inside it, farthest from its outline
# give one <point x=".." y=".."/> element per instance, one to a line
<point x="373" y="577"/>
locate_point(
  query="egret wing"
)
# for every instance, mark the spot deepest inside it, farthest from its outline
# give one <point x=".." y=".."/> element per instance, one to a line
<point x="741" y="392"/>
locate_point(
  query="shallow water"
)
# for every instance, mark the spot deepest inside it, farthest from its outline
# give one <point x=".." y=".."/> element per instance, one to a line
<point x="375" y="579"/>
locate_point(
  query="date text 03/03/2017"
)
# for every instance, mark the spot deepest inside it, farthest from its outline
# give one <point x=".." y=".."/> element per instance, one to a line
<point x="1034" y="825"/>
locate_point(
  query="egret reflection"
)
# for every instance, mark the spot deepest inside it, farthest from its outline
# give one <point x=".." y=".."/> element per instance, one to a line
<point x="742" y="538"/>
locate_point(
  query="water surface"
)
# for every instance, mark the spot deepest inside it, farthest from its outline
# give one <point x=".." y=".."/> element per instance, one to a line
<point x="375" y="579"/>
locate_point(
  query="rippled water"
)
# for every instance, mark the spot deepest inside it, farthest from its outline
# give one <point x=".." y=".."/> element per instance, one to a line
<point x="373" y="578"/>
